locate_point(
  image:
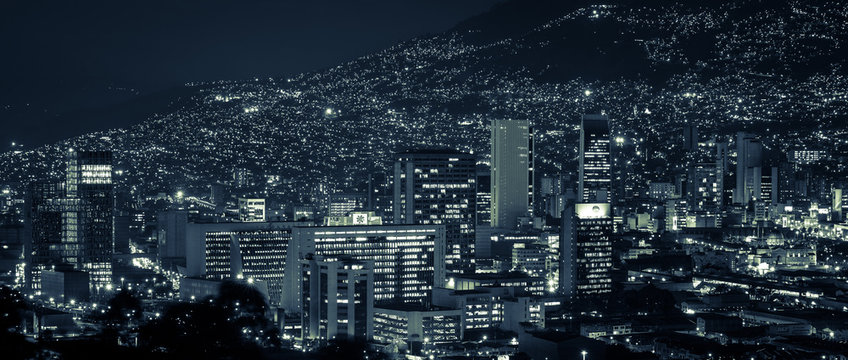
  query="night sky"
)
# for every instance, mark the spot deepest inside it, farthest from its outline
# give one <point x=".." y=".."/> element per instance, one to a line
<point x="60" y="57"/>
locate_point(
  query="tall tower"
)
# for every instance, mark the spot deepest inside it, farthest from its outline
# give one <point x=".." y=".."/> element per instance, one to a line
<point x="43" y="225"/>
<point x="595" y="178"/>
<point x="511" y="174"/>
<point x="690" y="137"/>
<point x="439" y="187"/>
<point x="749" y="158"/>
<point x="586" y="248"/>
<point x="87" y="219"/>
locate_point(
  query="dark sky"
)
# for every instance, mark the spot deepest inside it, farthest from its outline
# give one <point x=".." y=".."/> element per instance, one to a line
<point x="59" y="57"/>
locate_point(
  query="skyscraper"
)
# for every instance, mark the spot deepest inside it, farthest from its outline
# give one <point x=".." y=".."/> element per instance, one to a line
<point x="439" y="187"/>
<point x="511" y="190"/>
<point x="595" y="178"/>
<point x="749" y="158"/>
<point x="484" y="197"/>
<point x="87" y="217"/>
<point x="44" y="228"/>
<point x="586" y="251"/>
<point x="690" y="137"/>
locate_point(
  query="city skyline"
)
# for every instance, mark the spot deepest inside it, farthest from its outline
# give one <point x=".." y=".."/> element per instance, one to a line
<point x="543" y="180"/>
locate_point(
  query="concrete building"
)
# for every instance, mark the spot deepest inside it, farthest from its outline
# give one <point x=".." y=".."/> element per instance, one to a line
<point x="510" y="142"/>
<point x="438" y="187"/>
<point x="411" y="326"/>
<point x="586" y="251"/>
<point x="408" y="259"/>
<point x="251" y="210"/>
<point x="594" y="177"/>
<point x="337" y="298"/>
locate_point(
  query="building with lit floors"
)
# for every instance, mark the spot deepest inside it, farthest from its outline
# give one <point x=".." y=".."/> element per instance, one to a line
<point x="749" y="162"/>
<point x="586" y="251"/>
<point x="344" y="204"/>
<point x="438" y="187"/>
<point x="407" y="258"/>
<point x="251" y="210"/>
<point x="594" y="173"/>
<point x="252" y="250"/>
<point x="337" y="298"/>
<point x="510" y="168"/>
<point x="87" y="217"/>
<point x="43" y="225"/>
<point x="416" y="327"/>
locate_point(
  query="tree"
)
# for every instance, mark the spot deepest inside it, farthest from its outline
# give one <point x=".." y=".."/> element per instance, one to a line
<point x="123" y="307"/>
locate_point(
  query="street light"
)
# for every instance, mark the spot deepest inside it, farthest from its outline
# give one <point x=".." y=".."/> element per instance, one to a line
<point x="584" y="353"/>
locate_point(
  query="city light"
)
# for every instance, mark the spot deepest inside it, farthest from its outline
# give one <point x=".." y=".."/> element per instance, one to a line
<point x="426" y="193"/>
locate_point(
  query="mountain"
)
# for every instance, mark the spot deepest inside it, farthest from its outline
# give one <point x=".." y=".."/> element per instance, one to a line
<point x="775" y="66"/>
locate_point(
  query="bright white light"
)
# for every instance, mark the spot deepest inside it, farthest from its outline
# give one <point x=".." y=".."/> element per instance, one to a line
<point x="329" y="111"/>
<point x="587" y="92"/>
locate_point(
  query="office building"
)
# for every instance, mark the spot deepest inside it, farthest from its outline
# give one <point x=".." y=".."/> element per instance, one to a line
<point x="44" y="228"/>
<point x="594" y="176"/>
<point x="438" y="187"/>
<point x="407" y="258"/>
<point x="690" y="137"/>
<point x="770" y="185"/>
<point x="87" y="217"/>
<point x="380" y="196"/>
<point x="586" y="251"/>
<point x="749" y="159"/>
<point x="65" y="284"/>
<point x="344" y="204"/>
<point x="531" y="258"/>
<point x="251" y="210"/>
<point x="240" y="251"/>
<point x="171" y="233"/>
<point x="483" y="306"/>
<point x="337" y="298"/>
<point x="509" y="174"/>
<point x="484" y="197"/>
<point x="410" y="326"/>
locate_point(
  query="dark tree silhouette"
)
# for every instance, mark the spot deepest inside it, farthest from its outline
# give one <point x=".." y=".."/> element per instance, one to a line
<point x="12" y="306"/>
<point x="123" y="307"/>
<point x="232" y="326"/>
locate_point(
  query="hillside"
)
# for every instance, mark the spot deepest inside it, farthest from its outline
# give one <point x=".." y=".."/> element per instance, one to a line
<point x="776" y="66"/>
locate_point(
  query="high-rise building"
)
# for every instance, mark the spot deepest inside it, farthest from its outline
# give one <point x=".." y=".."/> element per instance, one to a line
<point x="171" y="233"/>
<point x="770" y="185"/>
<point x="217" y="196"/>
<point x="594" y="178"/>
<point x="690" y="137"/>
<point x="87" y="217"/>
<point x="337" y="298"/>
<point x="837" y="204"/>
<point x="407" y="258"/>
<point x="43" y="216"/>
<point x="531" y="172"/>
<point x="511" y="190"/>
<point x="439" y="187"/>
<point x="484" y="197"/>
<point x="380" y="196"/>
<point x="749" y="159"/>
<point x="586" y="251"/>
<point x="251" y="210"/>
<point x="255" y="252"/>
